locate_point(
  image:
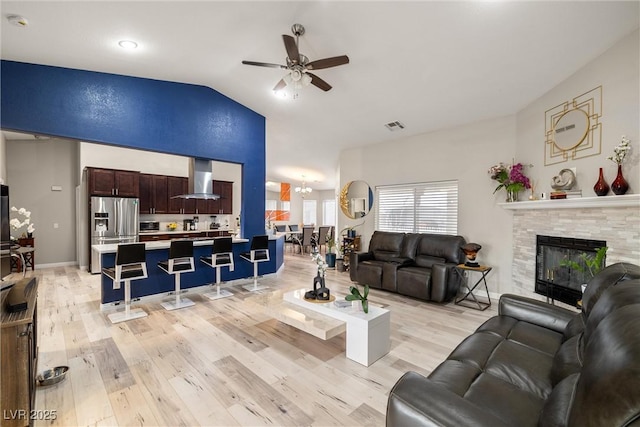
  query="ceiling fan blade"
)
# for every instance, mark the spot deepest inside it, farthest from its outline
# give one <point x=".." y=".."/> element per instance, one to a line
<point x="318" y="82"/>
<point x="264" y="64"/>
<point x="281" y="85"/>
<point x="292" y="48"/>
<point x="328" y="62"/>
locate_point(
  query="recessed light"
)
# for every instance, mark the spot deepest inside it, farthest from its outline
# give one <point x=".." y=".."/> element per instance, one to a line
<point x="127" y="44"/>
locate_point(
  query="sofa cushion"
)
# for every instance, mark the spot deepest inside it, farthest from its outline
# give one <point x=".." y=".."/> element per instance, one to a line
<point x="414" y="282"/>
<point x="427" y="261"/>
<point x="370" y="273"/>
<point x="442" y="246"/>
<point x="503" y="400"/>
<point x="385" y="245"/>
<point x="542" y="339"/>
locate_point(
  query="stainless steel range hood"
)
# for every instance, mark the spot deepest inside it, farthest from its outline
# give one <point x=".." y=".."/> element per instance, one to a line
<point x="200" y="181"/>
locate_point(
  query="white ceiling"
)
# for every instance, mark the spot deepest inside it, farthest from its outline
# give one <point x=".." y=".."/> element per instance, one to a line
<point x="430" y="65"/>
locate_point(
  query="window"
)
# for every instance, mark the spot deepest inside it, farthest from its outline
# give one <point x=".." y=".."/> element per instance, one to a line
<point x="309" y="212"/>
<point x="329" y="212"/>
<point x="430" y="207"/>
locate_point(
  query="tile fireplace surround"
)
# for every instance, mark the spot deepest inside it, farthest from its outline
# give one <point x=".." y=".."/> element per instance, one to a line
<point x="614" y="219"/>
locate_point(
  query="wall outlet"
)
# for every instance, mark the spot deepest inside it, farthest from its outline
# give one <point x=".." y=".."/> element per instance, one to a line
<point x="55" y="225"/>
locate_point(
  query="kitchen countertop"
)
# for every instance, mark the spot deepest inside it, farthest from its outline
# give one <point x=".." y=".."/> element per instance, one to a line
<point x="164" y="244"/>
<point x="167" y="231"/>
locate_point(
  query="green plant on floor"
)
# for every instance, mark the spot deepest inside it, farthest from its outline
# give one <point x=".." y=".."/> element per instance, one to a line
<point x="331" y="243"/>
<point x="356" y="295"/>
<point x="591" y="264"/>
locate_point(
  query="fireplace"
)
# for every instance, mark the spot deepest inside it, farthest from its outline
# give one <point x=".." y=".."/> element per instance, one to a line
<point x="560" y="266"/>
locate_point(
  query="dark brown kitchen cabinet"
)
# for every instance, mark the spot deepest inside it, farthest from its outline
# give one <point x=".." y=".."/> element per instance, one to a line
<point x="225" y="203"/>
<point x="113" y="182"/>
<point x="154" y="194"/>
<point x="177" y="185"/>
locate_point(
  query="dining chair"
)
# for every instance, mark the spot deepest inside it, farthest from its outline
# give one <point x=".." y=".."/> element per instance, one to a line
<point x="323" y="233"/>
<point x="305" y="240"/>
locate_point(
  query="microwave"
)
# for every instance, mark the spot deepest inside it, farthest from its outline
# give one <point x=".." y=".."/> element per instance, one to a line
<point x="146" y="226"/>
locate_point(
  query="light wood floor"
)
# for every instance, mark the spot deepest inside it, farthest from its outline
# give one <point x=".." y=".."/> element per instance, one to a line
<point x="226" y="362"/>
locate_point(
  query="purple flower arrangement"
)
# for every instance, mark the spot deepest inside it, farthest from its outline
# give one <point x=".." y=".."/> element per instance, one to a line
<point x="511" y="178"/>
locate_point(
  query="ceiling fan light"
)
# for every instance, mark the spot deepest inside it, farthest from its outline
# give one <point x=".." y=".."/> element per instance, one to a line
<point x="296" y="75"/>
<point x="306" y="79"/>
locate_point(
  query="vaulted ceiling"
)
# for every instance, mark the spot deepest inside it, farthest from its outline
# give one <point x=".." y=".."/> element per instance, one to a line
<point x="429" y="65"/>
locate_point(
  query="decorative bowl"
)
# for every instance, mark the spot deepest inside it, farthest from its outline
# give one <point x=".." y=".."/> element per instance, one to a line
<point x="52" y="376"/>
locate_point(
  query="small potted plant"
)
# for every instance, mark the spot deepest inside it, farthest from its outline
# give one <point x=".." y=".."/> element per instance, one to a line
<point x="357" y="296"/>
<point x="589" y="266"/>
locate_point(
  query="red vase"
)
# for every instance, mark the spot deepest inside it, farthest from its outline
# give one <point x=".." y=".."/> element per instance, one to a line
<point x="619" y="185"/>
<point x="601" y="188"/>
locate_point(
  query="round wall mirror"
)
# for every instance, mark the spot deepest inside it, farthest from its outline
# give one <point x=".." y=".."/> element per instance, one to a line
<point x="571" y="129"/>
<point x="356" y="199"/>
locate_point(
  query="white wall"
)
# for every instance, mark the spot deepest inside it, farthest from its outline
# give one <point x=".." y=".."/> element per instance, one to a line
<point x="617" y="72"/>
<point x="464" y="154"/>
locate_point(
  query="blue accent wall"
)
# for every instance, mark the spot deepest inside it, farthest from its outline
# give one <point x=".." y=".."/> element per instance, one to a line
<point x="167" y="117"/>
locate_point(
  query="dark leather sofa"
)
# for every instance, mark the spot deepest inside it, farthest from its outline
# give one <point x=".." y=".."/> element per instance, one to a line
<point x="536" y="364"/>
<point x="415" y="265"/>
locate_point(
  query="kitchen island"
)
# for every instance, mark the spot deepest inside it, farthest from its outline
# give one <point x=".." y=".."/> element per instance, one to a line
<point x="159" y="283"/>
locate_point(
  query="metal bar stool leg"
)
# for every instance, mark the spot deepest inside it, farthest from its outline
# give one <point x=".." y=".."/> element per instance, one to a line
<point x="179" y="301"/>
<point x="219" y="293"/>
<point x="128" y="313"/>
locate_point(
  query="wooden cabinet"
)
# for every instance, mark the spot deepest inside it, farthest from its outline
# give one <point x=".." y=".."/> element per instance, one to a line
<point x="154" y="194"/>
<point x="224" y="205"/>
<point x="19" y="349"/>
<point x="177" y="185"/>
<point x="113" y="182"/>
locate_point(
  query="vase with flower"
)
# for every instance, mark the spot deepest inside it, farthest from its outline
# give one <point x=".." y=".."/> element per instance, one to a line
<point x="620" y="186"/>
<point x="511" y="178"/>
<point x="320" y="291"/>
<point x="17" y="223"/>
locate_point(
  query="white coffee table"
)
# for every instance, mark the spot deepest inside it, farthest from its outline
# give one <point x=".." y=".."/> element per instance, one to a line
<point x="368" y="334"/>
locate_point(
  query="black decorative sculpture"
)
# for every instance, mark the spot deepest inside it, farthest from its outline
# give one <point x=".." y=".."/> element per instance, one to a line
<point x="319" y="292"/>
<point x="471" y="251"/>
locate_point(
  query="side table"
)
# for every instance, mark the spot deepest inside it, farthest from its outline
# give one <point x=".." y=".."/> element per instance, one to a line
<point x="464" y="270"/>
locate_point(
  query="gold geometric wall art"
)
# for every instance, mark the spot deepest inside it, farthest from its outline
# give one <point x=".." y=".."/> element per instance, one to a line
<point x="573" y="129"/>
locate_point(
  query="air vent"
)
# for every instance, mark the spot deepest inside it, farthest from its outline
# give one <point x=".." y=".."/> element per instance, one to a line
<point x="394" y="126"/>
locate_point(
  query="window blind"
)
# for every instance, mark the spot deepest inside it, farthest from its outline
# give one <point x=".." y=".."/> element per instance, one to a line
<point x="429" y="207"/>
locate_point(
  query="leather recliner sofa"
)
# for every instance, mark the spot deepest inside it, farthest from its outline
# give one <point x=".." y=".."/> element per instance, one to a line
<point x="411" y="264"/>
<point x="537" y="364"/>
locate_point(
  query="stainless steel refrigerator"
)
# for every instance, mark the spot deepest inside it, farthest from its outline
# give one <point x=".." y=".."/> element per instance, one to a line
<point x="113" y="220"/>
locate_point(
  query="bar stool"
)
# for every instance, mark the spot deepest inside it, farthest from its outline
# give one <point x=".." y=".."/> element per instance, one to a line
<point x="221" y="256"/>
<point x="131" y="264"/>
<point x="259" y="253"/>
<point x="180" y="261"/>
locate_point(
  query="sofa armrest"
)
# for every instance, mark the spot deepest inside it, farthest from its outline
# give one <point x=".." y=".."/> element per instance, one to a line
<point x="537" y="312"/>
<point x="418" y="401"/>
<point x="444" y="282"/>
<point x="354" y="259"/>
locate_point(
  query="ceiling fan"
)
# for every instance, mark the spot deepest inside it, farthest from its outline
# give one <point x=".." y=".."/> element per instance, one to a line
<point x="299" y="65"/>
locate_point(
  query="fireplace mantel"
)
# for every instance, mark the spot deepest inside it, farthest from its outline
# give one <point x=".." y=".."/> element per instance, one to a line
<point x="627" y="200"/>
